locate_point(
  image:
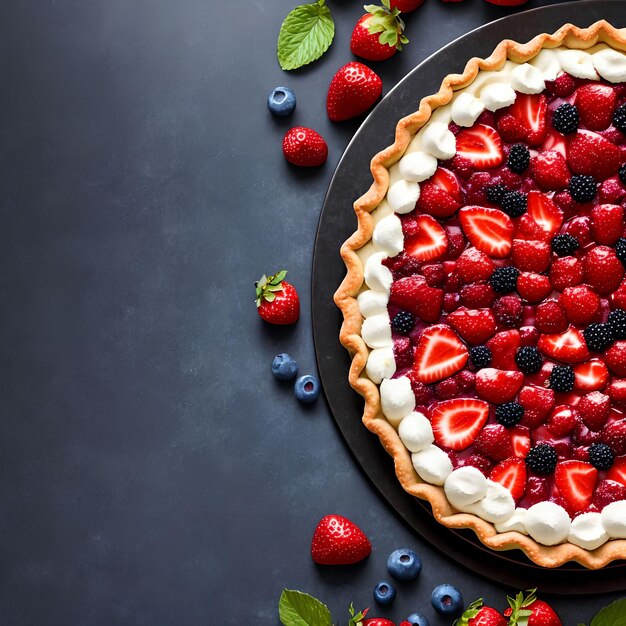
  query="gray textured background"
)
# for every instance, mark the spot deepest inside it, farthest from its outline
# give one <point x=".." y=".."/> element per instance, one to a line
<point x="151" y="469"/>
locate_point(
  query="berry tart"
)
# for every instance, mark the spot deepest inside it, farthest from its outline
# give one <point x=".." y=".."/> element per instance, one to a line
<point x="485" y="298"/>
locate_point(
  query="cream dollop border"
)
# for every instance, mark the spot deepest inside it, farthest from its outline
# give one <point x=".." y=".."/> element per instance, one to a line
<point x="569" y="36"/>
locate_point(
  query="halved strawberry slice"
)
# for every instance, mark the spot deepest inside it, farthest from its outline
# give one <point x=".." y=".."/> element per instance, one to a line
<point x="474" y="325"/>
<point x="576" y="481"/>
<point x="439" y="354"/>
<point x="430" y="242"/>
<point x="520" y="440"/>
<point x="591" y="154"/>
<point x="567" y="347"/>
<point x="544" y="212"/>
<point x="481" y="146"/>
<point x="530" y="111"/>
<point x="591" y="376"/>
<point x="456" y="423"/>
<point x="498" y="386"/>
<point x="511" y="473"/>
<point x="617" y="472"/>
<point x="414" y="294"/>
<point x="447" y="181"/>
<point x="489" y="230"/>
<point x="556" y="142"/>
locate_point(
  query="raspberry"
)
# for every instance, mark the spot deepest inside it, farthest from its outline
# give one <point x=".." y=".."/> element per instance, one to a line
<point x="562" y="378"/>
<point x="565" y="202"/>
<point x="565" y="245"/>
<point x="600" y="456"/>
<point x="509" y="414"/>
<point x="542" y="459"/>
<point x="603" y="271"/>
<point x="504" y="279"/>
<point x="615" y="358"/>
<point x="594" y="409"/>
<point x="519" y="158"/>
<point x="580" y="304"/>
<point x="402" y="352"/>
<point x="510" y="129"/>
<point x="434" y="274"/>
<point x="466" y="380"/>
<point x="598" y="337"/>
<point x="550" y="317"/>
<point x="550" y="171"/>
<point x="614" y="436"/>
<point x="529" y="255"/>
<point x="452" y="283"/>
<point x="456" y="242"/>
<point x="562" y="421"/>
<point x="420" y="390"/>
<point x="508" y="310"/>
<point x="566" y="272"/>
<point x="607" y="223"/>
<point x="514" y="203"/>
<point x="582" y="187"/>
<point x="475" y="188"/>
<point x="566" y="119"/>
<point x="477" y="295"/>
<point x="446" y="389"/>
<point x="461" y="166"/>
<point x="611" y="191"/>
<point x="617" y="323"/>
<point x="536" y="490"/>
<point x="608" y="491"/>
<point x="451" y="302"/>
<point x="480" y="356"/>
<point x="510" y="179"/>
<point x="494" y="442"/>
<point x="563" y="86"/>
<point x="478" y="461"/>
<point x="528" y="359"/>
<point x="403" y="322"/>
<point x="474" y="265"/>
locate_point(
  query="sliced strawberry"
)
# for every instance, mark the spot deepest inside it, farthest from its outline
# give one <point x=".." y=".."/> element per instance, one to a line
<point x="481" y="146"/>
<point x="555" y="142"/>
<point x="503" y="347"/>
<point x="489" y="230"/>
<point x="413" y="294"/>
<point x="520" y="440"/>
<point x="511" y="473"/>
<point x="595" y="104"/>
<point x="456" y="423"/>
<point x="617" y="472"/>
<point x="544" y="212"/>
<point x="530" y="110"/>
<point x="474" y="325"/>
<point x="567" y="347"/>
<point x="430" y="242"/>
<point x="591" y="154"/>
<point x="498" y="386"/>
<point x="591" y="375"/>
<point x="576" y="481"/>
<point x="439" y="354"/>
<point x="447" y="181"/>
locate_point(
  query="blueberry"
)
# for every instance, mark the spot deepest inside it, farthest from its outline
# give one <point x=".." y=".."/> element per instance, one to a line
<point x="417" y="619"/>
<point x="282" y="101"/>
<point x="404" y="564"/>
<point x="384" y="592"/>
<point x="307" y="388"/>
<point x="284" y="366"/>
<point x="447" y="600"/>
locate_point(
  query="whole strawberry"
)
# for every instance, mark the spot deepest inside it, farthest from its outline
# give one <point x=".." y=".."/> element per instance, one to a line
<point x="304" y="147"/>
<point x="477" y="614"/>
<point x="378" y="34"/>
<point x="277" y="301"/>
<point x="352" y="91"/>
<point x="338" y="541"/>
<point x="528" y="610"/>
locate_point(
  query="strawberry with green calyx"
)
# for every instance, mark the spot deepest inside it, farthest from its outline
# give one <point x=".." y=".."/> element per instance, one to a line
<point x="277" y="300"/>
<point x="529" y="611"/>
<point x="470" y="613"/>
<point x="378" y="34"/>
<point x="356" y="619"/>
<point x="478" y="614"/>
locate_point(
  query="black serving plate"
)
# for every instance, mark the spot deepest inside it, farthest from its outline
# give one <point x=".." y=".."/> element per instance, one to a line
<point x="337" y="223"/>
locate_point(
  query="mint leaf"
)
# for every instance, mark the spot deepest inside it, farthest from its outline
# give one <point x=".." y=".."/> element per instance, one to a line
<point x="300" y="609"/>
<point x="612" y="615"/>
<point x="305" y="35"/>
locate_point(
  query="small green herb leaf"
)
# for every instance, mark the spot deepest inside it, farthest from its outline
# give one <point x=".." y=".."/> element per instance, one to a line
<point x="300" y="609"/>
<point x="305" y="35"/>
<point x="612" y="615"/>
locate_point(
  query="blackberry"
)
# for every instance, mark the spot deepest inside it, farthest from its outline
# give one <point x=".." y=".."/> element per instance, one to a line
<point x="598" y="337"/>
<point x="519" y="158"/>
<point x="504" y="279"/>
<point x="480" y="356"/>
<point x="620" y="250"/>
<point x="509" y="414"/>
<point x="600" y="456"/>
<point x="528" y="359"/>
<point x="617" y="323"/>
<point x="565" y="245"/>
<point x="562" y="378"/>
<point x="565" y="119"/>
<point x="495" y="193"/>
<point x="619" y="118"/>
<point x="514" y="203"/>
<point x="582" y="187"/>
<point x="403" y="322"/>
<point x="541" y="459"/>
<point x="622" y="173"/>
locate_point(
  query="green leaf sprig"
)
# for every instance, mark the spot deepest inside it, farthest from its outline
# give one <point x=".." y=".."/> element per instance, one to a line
<point x="612" y="615"/>
<point x="296" y="608"/>
<point x="305" y="35"/>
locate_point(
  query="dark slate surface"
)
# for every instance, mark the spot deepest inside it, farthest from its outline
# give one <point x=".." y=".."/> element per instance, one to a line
<point x="151" y="470"/>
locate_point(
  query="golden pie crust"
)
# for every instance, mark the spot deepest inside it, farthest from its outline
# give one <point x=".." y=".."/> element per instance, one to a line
<point x="568" y="36"/>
